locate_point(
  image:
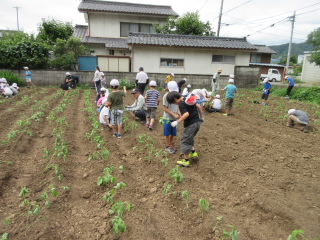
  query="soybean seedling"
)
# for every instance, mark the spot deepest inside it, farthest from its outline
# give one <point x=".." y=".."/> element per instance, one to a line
<point x="204" y="206"/>
<point x="107" y="178"/>
<point x="186" y="195"/>
<point x="233" y="234"/>
<point x="4" y="236"/>
<point x="118" y="225"/>
<point x="176" y="174"/>
<point x="295" y="233"/>
<point x="167" y="189"/>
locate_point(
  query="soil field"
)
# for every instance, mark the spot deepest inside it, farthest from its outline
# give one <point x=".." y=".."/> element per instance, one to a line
<point x="253" y="173"/>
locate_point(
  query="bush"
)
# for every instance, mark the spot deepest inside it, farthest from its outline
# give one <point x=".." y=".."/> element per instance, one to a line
<point x="12" y="78"/>
<point x="124" y="82"/>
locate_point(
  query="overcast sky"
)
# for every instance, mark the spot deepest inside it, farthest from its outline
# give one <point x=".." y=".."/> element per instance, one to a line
<point x="239" y="19"/>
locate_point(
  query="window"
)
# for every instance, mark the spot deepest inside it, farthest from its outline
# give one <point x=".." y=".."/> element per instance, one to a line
<point x="171" y="62"/>
<point x="224" y="59"/>
<point x="125" y="28"/>
<point x="111" y="52"/>
<point x="255" y="58"/>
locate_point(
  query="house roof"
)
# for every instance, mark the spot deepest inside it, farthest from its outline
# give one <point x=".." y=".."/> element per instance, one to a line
<point x="267" y="65"/>
<point x="124" y="7"/>
<point x="81" y="31"/>
<point x="189" y="41"/>
<point x="264" y="49"/>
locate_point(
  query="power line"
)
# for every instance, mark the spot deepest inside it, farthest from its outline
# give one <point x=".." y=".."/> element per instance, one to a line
<point x="203" y="5"/>
<point x="233" y="8"/>
<point x="272" y="25"/>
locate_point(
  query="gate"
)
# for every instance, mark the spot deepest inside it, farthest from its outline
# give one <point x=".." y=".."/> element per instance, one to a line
<point x="88" y="63"/>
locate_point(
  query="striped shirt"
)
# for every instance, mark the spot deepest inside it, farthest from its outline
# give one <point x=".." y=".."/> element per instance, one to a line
<point x="152" y="98"/>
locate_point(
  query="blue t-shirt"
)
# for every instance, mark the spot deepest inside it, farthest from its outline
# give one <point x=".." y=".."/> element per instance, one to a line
<point x="267" y="86"/>
<point x="230" y="90"/>
<point x="291" y="82"/>
<point x="28" y="74"/>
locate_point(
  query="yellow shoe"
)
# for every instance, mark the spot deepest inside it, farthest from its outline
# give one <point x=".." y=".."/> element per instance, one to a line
<point x="184" y="163"/>
<point x="193" y="155"/>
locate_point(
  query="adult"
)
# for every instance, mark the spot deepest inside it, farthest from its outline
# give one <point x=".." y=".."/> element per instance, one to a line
<point x="181" y="84"/>
<point x="290" y="85"/>
<point x="96" y="80"/>
<point x="28" y="77"/>
<point x="216" y="81"/>
<point x="138" y="107"/>
<point x="142" y="80"/>
<point x="68" y="83"/>
<point x="299" y="118"/>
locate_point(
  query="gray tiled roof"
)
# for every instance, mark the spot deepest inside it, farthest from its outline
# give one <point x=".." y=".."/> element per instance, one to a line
<point x="189" y="41"/>
<point x="264" y="49"/>
<point x="123" y="7"/>
<point x="80" y="31"/>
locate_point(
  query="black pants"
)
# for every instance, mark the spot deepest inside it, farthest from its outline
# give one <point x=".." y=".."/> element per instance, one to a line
<point x="141" y="114"/>
<point x="289" y="90"/>
<point x="141" y="87"/>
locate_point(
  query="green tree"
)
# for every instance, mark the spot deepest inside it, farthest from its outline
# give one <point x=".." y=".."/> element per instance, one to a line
<point x="51" y="30"/>
<point x="188" y="24"/>
<point x="314" y="39"/>
<point x="20" y="49"/>
<point x="293" y="60"/>
<point x="66" y="53"/>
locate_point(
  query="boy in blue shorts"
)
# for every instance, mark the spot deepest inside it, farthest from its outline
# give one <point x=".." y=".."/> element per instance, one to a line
<point x="152" y="102"/>
<point x="191" y="121"/>
<point x="266" y="91"/>
<point x="171" y="114"/>
<point x="115" y="101"/>
<point x="230" y="89"/>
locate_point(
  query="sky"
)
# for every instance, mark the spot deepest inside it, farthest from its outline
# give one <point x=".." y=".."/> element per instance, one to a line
<point x="263" y="22"/>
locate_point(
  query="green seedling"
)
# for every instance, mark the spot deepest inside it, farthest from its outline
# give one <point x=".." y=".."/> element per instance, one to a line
<point x="66" y="188"/>
<point x="107" y="178"/>
<point x="186" y="195"/>
<point x="37" y="116"/>
<point x="35" y="211"/>
<point x="109" y="196"/>
<point x="105" y="154"/>
<point x="165" y="161"/>
<point x="118" y="225"/>
<point x="142" y="138"/>
<point x="54" y="191"/>
<point x="23" y="123"/>
<point x="119" y="208"/>
<point x="62" y="121"/>
<point x="120" y="185"/>
<point x="167" y="189"/>
<point x="10" y="163"/>
<point x="7" y="221"/>
<point x="4" y="236"/>
<point x="233" y="234"/>
<point x="295" y="233"/>
<point x="93" y="156"/>
<point x="46" y="153"/>
<point x="121" y="168"/>
<point x="176" y="174"/>
<point x="219" y="220"/>
<point x="23" y="192"/>
<point x="204" y="205"/>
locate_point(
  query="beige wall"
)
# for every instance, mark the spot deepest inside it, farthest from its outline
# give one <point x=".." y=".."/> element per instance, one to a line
<point x="310" y="72"/>
<point x="103" y="25"/>
<point x="196" y="61"/>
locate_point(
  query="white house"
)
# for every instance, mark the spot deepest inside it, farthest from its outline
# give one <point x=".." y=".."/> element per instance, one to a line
<point x="310" y="71"/>
<point x="122" y="37"/>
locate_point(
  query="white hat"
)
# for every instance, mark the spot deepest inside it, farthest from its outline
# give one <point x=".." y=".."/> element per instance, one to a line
<point x="230" y="81"/>
<point x="184" y="79"/>
<point x="188" y="86"/>
<point x="102" y="74"/>
<point x="286" y="77"/>
<point x="67" y="73"/>
<point x="104" y="101"/>
<point x="102" y="89"/>
<point x="25" y="68"/>
<point x="172" y="74"/>
<point x="231" y="76"/>
<point x="14" y="85"/>
<point x="265" y="80"/>
<point x="153" y="83"/>
<point x="209" y="93"/>
<point x="114" y="82"/>
<point x="1" y="80"/>
<point x="173" y="86"/>
<point x="219" y="70"/>
<point x="205" y="91"/>
<point x="4" y="80"/>
<point x="217" y="96"/>
<point x="291" y="111"/>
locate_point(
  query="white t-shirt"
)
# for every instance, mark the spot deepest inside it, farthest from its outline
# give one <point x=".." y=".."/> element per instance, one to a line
<point x="199" y="92"/>
<point x="104" y="112"/>
<point x="185" y="92"/>
<point x="96" y="76"/>
<point x="216" y="104"/>
<point x="142" y="77"/>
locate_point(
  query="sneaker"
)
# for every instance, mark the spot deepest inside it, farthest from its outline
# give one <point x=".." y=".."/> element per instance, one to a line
<point x="147" y="125"/>
<point x="150" y="127"/>
<point x="184" y="163"/>
<point x="170" y="150"/>
<point x="193" y="155"/>
<point x="115" y="135"/>
<point x="119" y="135"/>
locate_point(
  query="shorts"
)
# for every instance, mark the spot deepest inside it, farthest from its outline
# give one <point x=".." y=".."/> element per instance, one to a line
<point x="151" y="112"/>
<point x="265" y="96"/>
<point x="187" y="140"/>
<point x="229" y="103"/>
<point x="116" y="117"/>
<point x="168" y="130"/>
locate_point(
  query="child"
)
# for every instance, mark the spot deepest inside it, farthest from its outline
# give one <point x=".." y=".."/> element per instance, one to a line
<point x="115" y="101"/>
<point x="216" y="104"/>
<point x="152" y="102"/>
<point x="105" y="114"/>
<point x="230" y="89"/>
<point x="186" y="91"/>
<point x="266" y="91"/>
<point x="189" y="116"/>
<point x="171" y="113"/>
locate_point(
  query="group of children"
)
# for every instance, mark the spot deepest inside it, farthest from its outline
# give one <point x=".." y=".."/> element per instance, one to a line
<point x="186" y="107"/>
<point x="6" y="90"/>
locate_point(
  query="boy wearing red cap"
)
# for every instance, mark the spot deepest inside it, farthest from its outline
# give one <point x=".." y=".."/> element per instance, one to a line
<point x="189" y="110"/>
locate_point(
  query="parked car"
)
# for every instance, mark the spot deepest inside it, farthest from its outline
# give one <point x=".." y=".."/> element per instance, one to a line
<point x="273" y="75"/>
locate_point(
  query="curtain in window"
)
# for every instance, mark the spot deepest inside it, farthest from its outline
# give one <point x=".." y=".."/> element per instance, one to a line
<point x="134" y="27"/>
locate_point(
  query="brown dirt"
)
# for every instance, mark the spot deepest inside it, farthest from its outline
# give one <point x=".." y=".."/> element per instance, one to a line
<point x="260" y="176"/>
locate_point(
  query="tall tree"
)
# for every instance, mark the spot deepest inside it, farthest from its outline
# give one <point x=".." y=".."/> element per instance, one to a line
<point x="188" y="24"/>
<point x="51" y="30"/>
<point x="314" y="39"/>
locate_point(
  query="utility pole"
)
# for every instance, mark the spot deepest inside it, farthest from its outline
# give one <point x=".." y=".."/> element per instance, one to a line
<point x="292" y="19"/>
<point x="220" y="15"/>
<point x="17" y="8"/>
